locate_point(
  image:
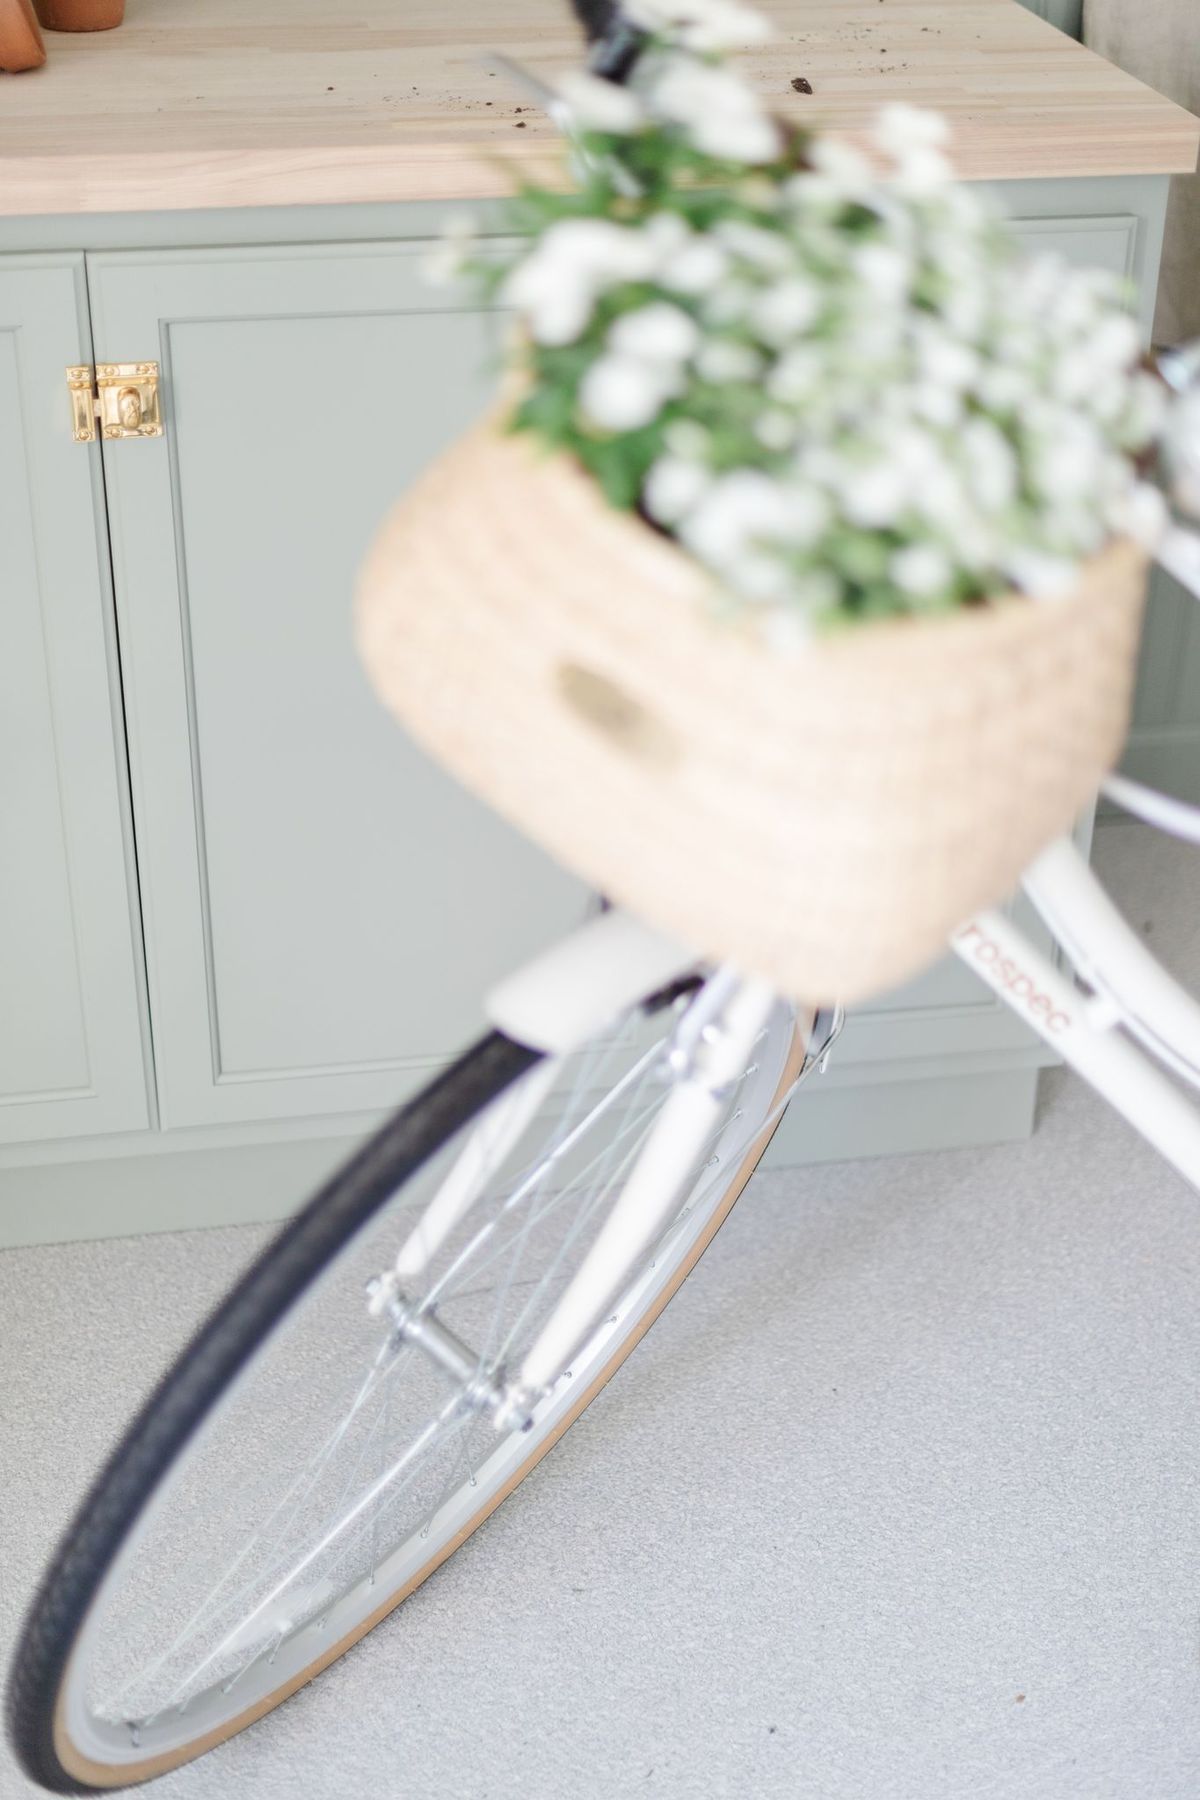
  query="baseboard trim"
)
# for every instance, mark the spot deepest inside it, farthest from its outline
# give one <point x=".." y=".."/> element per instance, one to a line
<point x="900" y="1117"/>
<point x="173" y="1190"/>
<point x="1166" y="757"/>
<point x="180" y="1190"/>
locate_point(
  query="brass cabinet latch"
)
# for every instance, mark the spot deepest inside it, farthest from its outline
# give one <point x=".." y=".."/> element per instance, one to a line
<point x="123" y="397"/>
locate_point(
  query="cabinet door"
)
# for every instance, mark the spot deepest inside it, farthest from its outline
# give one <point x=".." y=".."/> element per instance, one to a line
<point x="323" y="909"/>
<point x="70" y="1027"/>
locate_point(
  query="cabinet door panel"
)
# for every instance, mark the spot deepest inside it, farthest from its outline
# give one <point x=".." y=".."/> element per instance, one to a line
<point x="323" y="907"/>
<point x="70" y="1027"/>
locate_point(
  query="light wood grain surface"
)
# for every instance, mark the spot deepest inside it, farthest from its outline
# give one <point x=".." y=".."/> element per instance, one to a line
<point x="259" y="102"/>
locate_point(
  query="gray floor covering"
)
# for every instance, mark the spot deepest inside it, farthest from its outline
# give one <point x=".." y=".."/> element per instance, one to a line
<point x="899" y="1501"/>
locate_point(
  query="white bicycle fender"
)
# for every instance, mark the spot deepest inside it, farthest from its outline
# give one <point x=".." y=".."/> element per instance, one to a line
<point x="573" y="989"/>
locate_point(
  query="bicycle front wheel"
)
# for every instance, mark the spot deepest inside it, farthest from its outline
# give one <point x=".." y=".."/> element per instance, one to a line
<point x="301" y="1469"/>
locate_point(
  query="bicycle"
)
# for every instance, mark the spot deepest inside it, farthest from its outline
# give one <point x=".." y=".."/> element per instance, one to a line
<point x="549" y="1192"/>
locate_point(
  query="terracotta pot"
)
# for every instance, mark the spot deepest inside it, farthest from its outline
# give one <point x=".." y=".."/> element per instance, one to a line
<point x="21" y="44"/>
<point x="80" y="15"/>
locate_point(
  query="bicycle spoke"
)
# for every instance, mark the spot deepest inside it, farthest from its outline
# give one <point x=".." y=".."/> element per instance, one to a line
<point x="371" y="1459"/>
<point x="419" y="1447"/>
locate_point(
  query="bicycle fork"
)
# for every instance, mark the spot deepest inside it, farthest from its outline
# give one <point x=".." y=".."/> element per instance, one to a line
<point x="553" y="1004"/>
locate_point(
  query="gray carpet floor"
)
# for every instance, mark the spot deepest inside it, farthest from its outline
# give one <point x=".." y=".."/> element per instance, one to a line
<point x="899" y="1501"/>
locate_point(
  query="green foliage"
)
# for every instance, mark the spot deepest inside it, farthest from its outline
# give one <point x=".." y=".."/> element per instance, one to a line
<point x="896" y="291"/>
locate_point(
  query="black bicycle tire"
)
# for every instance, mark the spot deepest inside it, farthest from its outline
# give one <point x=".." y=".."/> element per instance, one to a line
<point x="202" y="1372"/>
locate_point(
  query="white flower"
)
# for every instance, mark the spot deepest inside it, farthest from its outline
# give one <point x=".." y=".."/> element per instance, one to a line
<point x="722" y="115"/>
<point x="1105" y="399"/>
<point x="700" y="24"/>
<point x="685" y="91"/>
<point x="598" y="105"/>
<point x="755" y="244"/>
<point x="940" y="406"/>
<point x="849" y="171"/>
<point x="795" y="375"/>
<point x="938" y="495"/>
<point x="976" y="543"/>
<point x="776" y="430"/>
<point x="1035" y="284"/>
<point x="686" y="438"/>
<point x="556" y="285"/>
<point x="785" y="309"/>
<point x="884" y="271"/>
<point x="817" y="464"/>
<point x="659" y="332"/>
<point x="1116" y="341"/>
<point x="728" y="301"/>
<point x="1075" y="374"/>
<point x="557" y="315"/>
<point x="760" y="576"/>
<point x="1073" y="310"/>
<point x="921" y="569"/>
<point x="673" y="486"/>
<point x="813" y="198"/>
<point x="445" y="261"/>
<point x="922" y="173"/>
<point x="1077" y="531"/>
<point x="808" y="513"/>
<point x="744" y="137"/>
<point x="873" y="337"/>
<point x="875" y="493"/>
<point x="1040" y="575"/>
<point x="990" y="465"/>
<point x="1001" y="387"/>
<point x="697" y="268"/>
<point x="721" y="359"/>
<point x="621" y="393"/>
<point x="1147" y="409"/>
<point x="738" y="508"/>
<point x="599" y="248"/>
<point x="746" y="508"/>
<point x="946" y="361"/>
<point x="982" y="436"/>
<point x="669" y="236"/>
<point x="1140" y="513"/>
<point x="901" y="128"/>
<point x="965" y="310"/>
<point x="1064" y="463"/>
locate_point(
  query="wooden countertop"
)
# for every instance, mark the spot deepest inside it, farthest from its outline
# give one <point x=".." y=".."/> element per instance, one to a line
<point x="264" y="102"/>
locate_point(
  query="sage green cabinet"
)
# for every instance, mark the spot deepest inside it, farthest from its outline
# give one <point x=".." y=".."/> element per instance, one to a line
<point x="314" y="911"/>
<point x="1067" y="15"/>
<point x="322" y="908"/>
<point x="71" y="1024"/>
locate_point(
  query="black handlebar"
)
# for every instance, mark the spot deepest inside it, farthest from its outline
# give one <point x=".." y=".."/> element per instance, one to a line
<point x="596" y="16"/>
<point x="615" y="43"/>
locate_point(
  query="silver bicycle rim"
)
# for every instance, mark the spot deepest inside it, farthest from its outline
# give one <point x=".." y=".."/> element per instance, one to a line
<point x="122" y="1705"/>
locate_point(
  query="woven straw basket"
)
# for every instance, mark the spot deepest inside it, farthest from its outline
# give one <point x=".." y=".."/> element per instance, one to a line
<point x="824" y="818"/>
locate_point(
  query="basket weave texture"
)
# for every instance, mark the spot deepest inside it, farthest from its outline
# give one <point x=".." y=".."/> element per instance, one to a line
<point x="824" y="818"/>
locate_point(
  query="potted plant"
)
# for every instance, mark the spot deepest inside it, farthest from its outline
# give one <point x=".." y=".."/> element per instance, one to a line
<point x="792" y="593"/>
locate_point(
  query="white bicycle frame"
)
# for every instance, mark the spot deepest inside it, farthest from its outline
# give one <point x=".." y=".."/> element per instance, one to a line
<point x="1116" y="1023"/>
<point x="1123" y="1020"/>
<point x="1120" y="1019"/>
